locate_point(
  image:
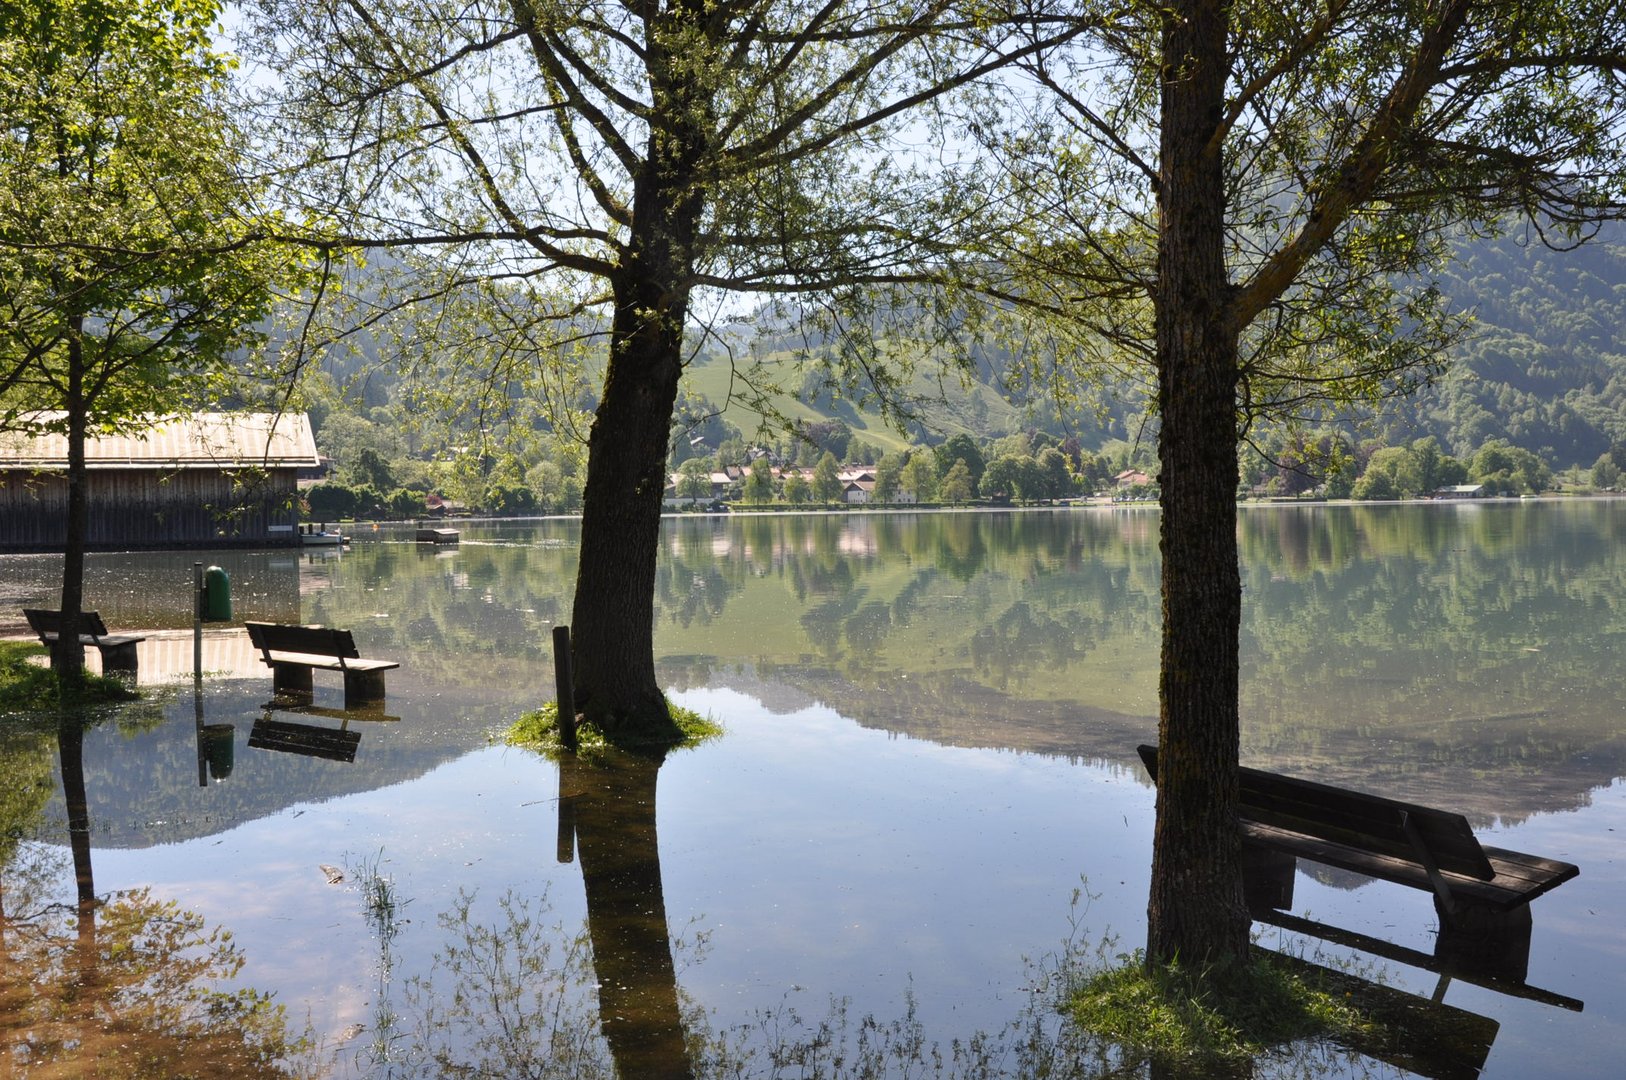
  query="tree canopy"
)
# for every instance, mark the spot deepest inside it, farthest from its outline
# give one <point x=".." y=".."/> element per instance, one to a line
<point x="591" y="177"/>
<point x="125" y="253"/>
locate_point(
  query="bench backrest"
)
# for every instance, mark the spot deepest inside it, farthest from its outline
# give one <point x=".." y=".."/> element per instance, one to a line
<point x="318" y="640"/>
<point x="50" y="622"/>
<point x="1369" y="822"/>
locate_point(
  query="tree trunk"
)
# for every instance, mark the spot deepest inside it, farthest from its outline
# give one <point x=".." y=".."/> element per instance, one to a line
<point x="1196" y="911"/>
<point x="68" y="655"/>
<point x="612" y="621"/>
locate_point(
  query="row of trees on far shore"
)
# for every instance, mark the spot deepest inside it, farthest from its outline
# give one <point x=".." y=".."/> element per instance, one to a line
<point x="1027" y="468"/>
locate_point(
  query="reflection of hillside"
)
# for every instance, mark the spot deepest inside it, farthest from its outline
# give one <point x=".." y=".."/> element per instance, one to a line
<point x="1456" y="655"/>
<point x="951" y="711"/>
<point x="1478" y="638"/>
<point x="152" y="590"/>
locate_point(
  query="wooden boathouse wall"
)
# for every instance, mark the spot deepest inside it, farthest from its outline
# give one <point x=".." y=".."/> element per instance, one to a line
<point x="151" y="508"/>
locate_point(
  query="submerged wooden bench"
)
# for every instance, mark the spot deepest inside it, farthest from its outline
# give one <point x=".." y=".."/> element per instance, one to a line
<point x="293" y="652"/>
<point x="118" y="650"/>
<point x="1418" y="846"/>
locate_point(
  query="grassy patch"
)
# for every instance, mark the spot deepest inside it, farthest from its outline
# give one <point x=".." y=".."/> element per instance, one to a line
<point x="29" y="687"/>
<point x="1211" y="1019"/>
<point x="539" y="730"/>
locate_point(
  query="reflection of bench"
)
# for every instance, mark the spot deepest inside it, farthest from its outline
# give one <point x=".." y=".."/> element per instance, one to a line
<point x="371" y="712"/>
<point x="1418" y="1036"/>
<point x="309" y="740"/>
<point x="1498" y="961"/>
<point x="292" y="652"/>
<point x="118" y="650"/>
<point x="1412" y="845"/>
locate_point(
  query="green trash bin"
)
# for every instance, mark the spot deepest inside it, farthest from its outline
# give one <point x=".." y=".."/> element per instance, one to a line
<point x="216" y="595"/>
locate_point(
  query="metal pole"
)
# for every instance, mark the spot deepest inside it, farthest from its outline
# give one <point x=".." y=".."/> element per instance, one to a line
<point x="564" y="687"/>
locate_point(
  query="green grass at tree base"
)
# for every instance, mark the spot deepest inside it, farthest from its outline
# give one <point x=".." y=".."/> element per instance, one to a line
<point x="1214" y="1020"/>
<point x="539" y="730"/>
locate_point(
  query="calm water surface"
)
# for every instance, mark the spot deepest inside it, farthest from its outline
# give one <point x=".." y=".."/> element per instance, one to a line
<point x="927" y="786"/>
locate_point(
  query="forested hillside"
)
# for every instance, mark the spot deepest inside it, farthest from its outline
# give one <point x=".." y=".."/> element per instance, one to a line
<point x="1541" y="368"/>
<point x="1544" y="367"/>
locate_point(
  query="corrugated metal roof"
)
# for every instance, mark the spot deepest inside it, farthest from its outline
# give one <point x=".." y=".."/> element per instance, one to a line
<point x="209" y="440"/>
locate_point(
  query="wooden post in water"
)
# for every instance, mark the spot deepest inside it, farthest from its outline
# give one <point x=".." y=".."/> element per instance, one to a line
<point x="565" y="687"/>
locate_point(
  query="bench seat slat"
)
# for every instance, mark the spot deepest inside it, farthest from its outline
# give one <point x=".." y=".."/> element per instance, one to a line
<point x="1540" y="872"/>
<point x="48" y="637"/>
<point x="1519" y="878"/>
<point x="331" y="663"/>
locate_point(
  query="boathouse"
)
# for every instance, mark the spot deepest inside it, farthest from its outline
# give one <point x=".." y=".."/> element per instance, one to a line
<point x="203" y="480"/>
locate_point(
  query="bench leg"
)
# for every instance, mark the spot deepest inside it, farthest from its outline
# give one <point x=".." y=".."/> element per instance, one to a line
<point x="1267" y="878"/>
<point x="1495" y="944"/>
<point x="293" y="679"/>
<point x="363" y="688"/>
<point x="119" y="657"/>
<point x="1485" y="922"/>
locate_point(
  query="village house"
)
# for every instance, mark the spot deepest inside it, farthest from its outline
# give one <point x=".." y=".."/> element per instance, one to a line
<point x="207" y="479"/>
<point x="719" y="481"/>
<point x="857" y="485"/>
<point x="1460" y="491"/>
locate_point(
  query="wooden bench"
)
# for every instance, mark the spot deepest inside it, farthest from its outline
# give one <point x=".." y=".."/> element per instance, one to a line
<point x="293" y="652"/>
<point x="118" y="650"/>
<point x="1412" y="845"/>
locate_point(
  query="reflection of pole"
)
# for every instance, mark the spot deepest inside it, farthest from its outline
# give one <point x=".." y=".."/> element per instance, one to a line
<point x="565" y="848"/>
<point x="626" y="917"/>
<point x="197" y="718"/>
<point x="197" y="620"/>
<point x="564" y="683"/>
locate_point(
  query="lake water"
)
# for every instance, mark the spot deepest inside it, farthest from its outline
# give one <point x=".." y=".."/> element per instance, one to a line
<point x="927" y="787"/>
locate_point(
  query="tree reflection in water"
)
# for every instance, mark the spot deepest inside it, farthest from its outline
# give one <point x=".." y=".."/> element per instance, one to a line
<point x="127" y="985"/>
<point x="522" y="999"/>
